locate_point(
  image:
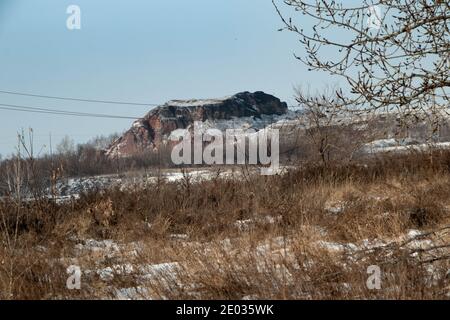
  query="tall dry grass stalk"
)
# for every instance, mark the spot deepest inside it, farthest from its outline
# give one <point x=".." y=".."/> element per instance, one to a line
<point x="310" y="233"/>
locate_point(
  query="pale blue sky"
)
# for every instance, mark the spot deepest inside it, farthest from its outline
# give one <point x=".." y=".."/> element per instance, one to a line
<point x="137" y="50"/>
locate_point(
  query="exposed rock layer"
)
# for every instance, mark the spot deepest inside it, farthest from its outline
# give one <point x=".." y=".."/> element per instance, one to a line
<point x="151" y="131"/>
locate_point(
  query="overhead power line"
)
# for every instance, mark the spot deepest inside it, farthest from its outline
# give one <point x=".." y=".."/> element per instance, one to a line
<point x="21" y="108"/>
<point x="79" y="99"/>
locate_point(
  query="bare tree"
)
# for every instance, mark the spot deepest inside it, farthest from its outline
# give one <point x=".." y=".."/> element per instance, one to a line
<point x="320" y="114"/>
<point x="66" y="146"/>
<point x="331" y="130"/>
<point x="394" y="54"/>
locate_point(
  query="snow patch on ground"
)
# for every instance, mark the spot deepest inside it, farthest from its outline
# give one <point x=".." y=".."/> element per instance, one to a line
<point x="334" y="246"/>
<point x="405" y="145"/>
<point x="245" y="225"/>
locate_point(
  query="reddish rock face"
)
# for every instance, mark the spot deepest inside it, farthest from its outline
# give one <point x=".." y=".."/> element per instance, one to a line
<point x="151" y="131"/>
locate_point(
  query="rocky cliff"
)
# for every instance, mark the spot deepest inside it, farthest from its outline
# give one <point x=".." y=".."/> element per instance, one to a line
<point x="153" y="130"/>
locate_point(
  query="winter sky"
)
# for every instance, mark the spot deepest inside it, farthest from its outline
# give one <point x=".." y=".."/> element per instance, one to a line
<point x="146" y="51"/>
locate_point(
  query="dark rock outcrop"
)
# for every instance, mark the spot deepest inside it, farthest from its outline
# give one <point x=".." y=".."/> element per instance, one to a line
<point x="151" y="131"/>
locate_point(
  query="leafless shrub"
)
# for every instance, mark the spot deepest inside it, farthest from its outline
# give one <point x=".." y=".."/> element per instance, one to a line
<point x="334" y="133"/>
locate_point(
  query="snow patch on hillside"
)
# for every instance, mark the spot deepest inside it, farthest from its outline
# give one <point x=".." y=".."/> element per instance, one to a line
<point x="196" y="102"/>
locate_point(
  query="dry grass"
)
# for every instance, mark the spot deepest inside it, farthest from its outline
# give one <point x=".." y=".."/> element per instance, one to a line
<point x="308" y="234"/>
